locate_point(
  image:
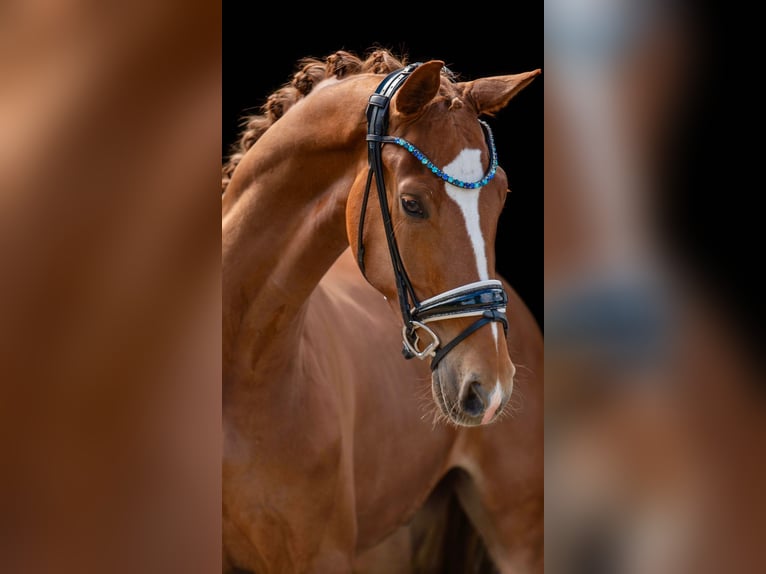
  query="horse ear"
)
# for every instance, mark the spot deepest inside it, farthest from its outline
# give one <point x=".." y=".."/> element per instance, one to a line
<point x="418" y="89"/>
<point x="492" y="94"/>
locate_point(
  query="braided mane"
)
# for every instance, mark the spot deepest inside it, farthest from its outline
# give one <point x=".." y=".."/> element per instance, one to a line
<point x="310" y="72"/>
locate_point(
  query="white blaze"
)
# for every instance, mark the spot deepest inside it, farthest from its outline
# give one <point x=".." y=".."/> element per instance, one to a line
<point x="467" y="166"/>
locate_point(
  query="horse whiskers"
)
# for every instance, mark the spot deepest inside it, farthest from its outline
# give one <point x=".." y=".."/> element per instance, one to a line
<point x="509" y="411"/>
<point x="453" y="415"/>
<point x="525" y="367"/>
<point x="513" y="406"/>
<point x="440" y="418"/>
<point x="428" y="406"/>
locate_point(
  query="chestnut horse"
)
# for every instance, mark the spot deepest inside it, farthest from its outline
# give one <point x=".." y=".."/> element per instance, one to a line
<point x="358" y="218"/>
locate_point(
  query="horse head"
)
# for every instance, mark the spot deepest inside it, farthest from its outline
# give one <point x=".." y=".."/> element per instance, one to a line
<point x="423" y="219"/>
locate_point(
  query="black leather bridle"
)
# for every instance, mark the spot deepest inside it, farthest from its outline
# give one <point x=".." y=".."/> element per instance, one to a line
<point x="486" y="300"/>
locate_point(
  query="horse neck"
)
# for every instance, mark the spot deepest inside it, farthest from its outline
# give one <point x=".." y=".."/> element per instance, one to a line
<point x="284" y="217"/>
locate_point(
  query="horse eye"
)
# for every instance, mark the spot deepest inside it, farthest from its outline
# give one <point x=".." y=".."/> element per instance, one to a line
<point x="412" y="207"/>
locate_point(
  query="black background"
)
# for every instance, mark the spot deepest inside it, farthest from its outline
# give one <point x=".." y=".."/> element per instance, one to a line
<point x="260" y="54"/>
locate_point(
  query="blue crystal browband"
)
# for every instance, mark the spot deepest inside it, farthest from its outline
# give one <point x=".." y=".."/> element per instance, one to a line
<point x="448" y="178"/>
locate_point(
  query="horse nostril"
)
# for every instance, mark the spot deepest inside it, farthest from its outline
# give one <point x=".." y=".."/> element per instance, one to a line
<point x="473" y="402"/>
